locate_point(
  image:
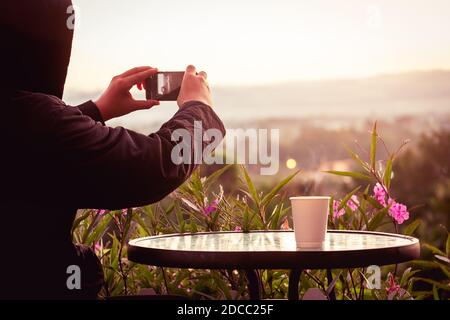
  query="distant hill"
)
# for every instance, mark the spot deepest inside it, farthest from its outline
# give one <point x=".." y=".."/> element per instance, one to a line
<point x="383" y="97"/>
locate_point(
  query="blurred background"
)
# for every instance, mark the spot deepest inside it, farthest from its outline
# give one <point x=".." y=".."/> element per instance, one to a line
<point x="320" y="71"/>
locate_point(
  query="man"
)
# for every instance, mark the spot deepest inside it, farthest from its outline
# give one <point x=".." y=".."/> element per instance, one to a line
<point x="56" y="158"/>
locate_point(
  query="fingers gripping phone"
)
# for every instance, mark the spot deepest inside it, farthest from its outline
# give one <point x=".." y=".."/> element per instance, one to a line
<point x="164" y="86"/>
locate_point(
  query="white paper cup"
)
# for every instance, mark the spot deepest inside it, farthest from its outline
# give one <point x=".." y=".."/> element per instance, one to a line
<point x="310" y="215"/>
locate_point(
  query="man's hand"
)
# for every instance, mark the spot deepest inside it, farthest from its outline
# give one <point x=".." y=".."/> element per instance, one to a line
<point x="194" y="88"/>
<point x="117" y="100"/>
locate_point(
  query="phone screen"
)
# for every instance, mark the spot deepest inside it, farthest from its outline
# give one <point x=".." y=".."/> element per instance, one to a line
<point x="164" y="86"/>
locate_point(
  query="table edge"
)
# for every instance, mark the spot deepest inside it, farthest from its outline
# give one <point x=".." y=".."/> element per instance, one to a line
<point x="133" y="242"/>
<point x="337" y="259"/>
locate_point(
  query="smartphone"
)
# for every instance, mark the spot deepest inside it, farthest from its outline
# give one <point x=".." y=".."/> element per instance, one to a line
<point x="164" y="86"/>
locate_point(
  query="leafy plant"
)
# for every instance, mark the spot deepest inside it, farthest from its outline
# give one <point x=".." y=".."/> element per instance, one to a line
<point x="201" y="204"/>
<point x="440" y="263"/>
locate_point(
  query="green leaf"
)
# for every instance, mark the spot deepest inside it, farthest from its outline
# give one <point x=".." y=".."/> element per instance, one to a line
<point x="363" y="207"/>
<point x="421" y="295"/>
<point x="246" y="220"/>
<point x="190" y="204"/>
<point x="258" y="221"/>
<point x="274" y="217"/>
<point x="444" y="268"/>
<point x="214" y="217"/>
<point x="283" y="214"/>
<point x="425" y="264"/>
<point x="373" y="147"/>
<point x="180" y="219"/>
<point x="169" y="220"/>
<point x="169" y="209"/>
<point x="143" y="225"/>
<point x="448" y="245"/>
<point x="268" y="197"/>
<point x="127" y="225"/>
<point x="377" y="219"/>
<point x="331" y="285"/>
<point x="347" y="197"/>
<point x="388" y="172"/>
<point x="374" y="202"/>
<point x="366" y="190"/>
<point x="435" y="293"/>
<point x="98" y="231"/>
<point x="114" y="252"/>
<point x="77" y="221"/>
<point x="250" y="186"/>
<point x="196" y="186"/>
<point x="356" y="175"/>
<point x="193" y="226"/>
<point x="433" y="249"/>
<point x="364" y="216"/>
<point x="357" y="159"/>
<point x="409" y="230"/>
<point x="89" y="229"/>
<point x="407" y="274"/>
<point x="212" y="178"/>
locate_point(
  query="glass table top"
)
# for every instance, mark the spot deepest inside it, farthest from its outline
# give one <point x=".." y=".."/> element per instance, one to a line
<point x="270" y="241"/>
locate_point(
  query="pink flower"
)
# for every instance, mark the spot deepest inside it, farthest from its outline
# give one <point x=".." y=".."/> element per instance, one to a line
<point x="353" y="203"/>
<point x="380" y="194"/>
<point x="337" y="213"/>
<point x="98" y="247"/>
<point x="399" y="212"/>
<point x="211" y="208"/>
<point x="393" y="286"/>
<point x="238" y="228"/>
<point x="285" y="225"/>
<point x="101" y="212"/>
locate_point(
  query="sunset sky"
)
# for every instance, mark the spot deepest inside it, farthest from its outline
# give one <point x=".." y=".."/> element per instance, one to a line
<point x="253" y="42"/>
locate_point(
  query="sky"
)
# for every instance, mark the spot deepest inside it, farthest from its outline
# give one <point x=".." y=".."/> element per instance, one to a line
<point x="258" y="42"/>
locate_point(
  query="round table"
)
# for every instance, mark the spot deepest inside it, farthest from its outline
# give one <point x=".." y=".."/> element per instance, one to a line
<point x="272" y="250"/>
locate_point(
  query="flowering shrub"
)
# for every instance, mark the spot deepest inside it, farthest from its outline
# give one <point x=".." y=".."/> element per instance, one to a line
<point x="201" y="204"/>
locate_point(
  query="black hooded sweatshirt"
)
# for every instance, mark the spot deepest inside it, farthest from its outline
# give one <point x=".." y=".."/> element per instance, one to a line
<point x="56" y="158"/>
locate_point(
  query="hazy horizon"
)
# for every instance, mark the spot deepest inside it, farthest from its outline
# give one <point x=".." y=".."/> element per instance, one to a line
<point x="339" y="100"/>
<point x="253" y="42"/>
<point x="269" y="59"/>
